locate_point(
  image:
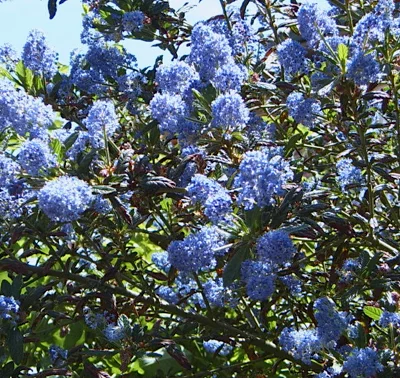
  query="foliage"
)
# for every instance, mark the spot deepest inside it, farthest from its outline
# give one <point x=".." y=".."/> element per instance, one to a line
<point x="234" y="213"/>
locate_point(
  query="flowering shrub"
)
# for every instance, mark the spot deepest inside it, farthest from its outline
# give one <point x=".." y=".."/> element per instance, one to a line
<point x="234" y="213"/>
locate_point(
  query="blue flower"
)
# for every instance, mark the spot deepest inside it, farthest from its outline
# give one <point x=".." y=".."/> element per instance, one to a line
<point x="131" y="84"/>
<point x="212" y="346"/>
<point x="363" y="69"/>
<point x="261" y="176"/>
<point x="58" y="355"/>
<point x="347" y="173"/>
<point x="275" y="247"/>
<point x="259" y="279"/>
<point x="133" y="21"/>
<point x="230" y="77"/>
<point x="101" y="122"/>
<point x="314" y="22"/>
<point x="168" y="294"/>
<point x="196" y="251"/>
<point x="35" y="156"/>
<point x="211" y="195"/>
<point x="114" y="333"/>
<point x="303" y="110"/>
<point x="372" y="27"/>
<point x="331" y="323"/>
<point x="303" y="344"/>
<point x="8" y="56"/>
<point x="389" y="318"/>
<point x="24" y="113"/>
<point x="362" y="363"/>
<point x="65" y="198"/>
<point x="176" y="77"/>
<point x="160" y="260"/>
<point x="229" y="112"/>
<point x="209" y="51"/>
<point x="8" y="170"/>
<point x="9" y="308"/>
<point x="169" y="110"/>
<point x="38" y="56"/>
<point x="292" y="57"/>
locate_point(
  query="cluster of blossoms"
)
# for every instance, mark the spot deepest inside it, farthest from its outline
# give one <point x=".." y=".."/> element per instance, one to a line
<point x="38" y="56"/>
<point x="65" y="198"/>
<point x="9" y="308"/>
<point x="261" y="176"/>
<point x="212" y="196"/>
<point x="197" y="251"/>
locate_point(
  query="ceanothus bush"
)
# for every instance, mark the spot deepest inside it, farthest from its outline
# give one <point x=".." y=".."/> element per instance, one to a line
<point x="233" y="212"/>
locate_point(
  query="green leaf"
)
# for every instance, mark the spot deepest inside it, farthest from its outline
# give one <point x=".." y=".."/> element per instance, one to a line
<point x="103" y="189"/>
<point x="15" y="342"/>
<point x="343" y="52"/>
<point x="16" y="287"/>
<point x="24" y="74"/>
<point x="6" y="288"/>
<point x="232" y="269"/>
<point x="6" y="74"/>
<point x="75" y="336"/>
<point x="373" y="312"/>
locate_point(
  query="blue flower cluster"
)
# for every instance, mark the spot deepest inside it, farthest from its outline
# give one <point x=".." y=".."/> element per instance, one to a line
<point x="58" y="355"/>
<point x="347" y="173"/>
<point x="8" y="170"/>
<point x="114" y="333"/>
<point x="24" y="113"/>
<point x="196" y="251"/>
<point x="229" y="112"/>
<point x="292" y="57"/>
<point x="331" y="323"/>
<point x="35" y="156"/>
<point x="275" y="247"/>
<point x="160" y="260"/>
<point x="303" y="344"/>
<point x="9" y="308"/>
<point x="176" y="77"/>
<point x="213" y="196"/>
<point x="133" y="21"/>
<point x="230" y="77"/>
<point x="303" y="110"/>
<point x="8" y="56"/>
<point x="214" y="346"/>
<point x="90" y="71"/>
<point x="259" y="278"/>
<point x="389" y="318"/>
<point x="372" y="26"/>
<point x="65" y="198"/>
<point x="362" y="363"/>
<point x="101" y="122"/>
<point x="38" y="56"/>
<point x="168" y="294"/>
<point x="261" y="176"/>
<point x="315" y="23"/>
<point x="170" y="111"/>
<point x="209" y="51"/>
<point x="349" y="270"/>
<point x="363" y="68"/>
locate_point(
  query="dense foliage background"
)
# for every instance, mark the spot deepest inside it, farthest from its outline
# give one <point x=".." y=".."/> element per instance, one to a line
<point x="234" y="213"/>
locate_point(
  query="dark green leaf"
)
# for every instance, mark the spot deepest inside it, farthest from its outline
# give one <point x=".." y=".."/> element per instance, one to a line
<point x="232" y="269"/>
<point x="52" y="7"/>
<point x="15" y="342"/>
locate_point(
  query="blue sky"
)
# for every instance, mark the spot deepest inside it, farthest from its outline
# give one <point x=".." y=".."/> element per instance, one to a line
<point x="18" y="17"/>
